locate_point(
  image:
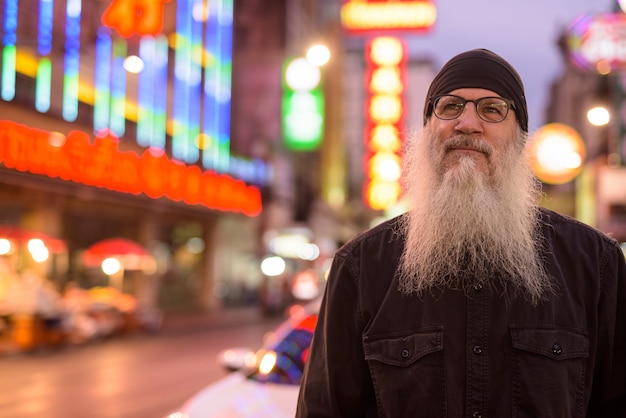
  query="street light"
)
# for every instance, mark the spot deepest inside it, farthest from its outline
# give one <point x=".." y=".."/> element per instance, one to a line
<point x="599" y="116"/>
<point x="301" y="75"/>
<point x="318" y="55"/>
<point x="557" y="153"/>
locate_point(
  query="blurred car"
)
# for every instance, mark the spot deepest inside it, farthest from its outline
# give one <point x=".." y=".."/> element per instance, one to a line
<point x="266" y="382"/>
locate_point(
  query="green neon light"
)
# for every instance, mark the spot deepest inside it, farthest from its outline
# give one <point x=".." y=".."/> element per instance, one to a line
<point x="70" y="97"/>
<point x="303" y="119"/>
<point x="42" y="85"/>
<point x="8" y="72"/>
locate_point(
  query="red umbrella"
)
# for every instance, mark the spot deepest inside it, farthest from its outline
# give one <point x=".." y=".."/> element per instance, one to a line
<point x="130" y="253"/>
<point x="21" y="236"/>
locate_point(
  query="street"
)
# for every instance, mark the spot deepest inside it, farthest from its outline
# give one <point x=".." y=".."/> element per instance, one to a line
<point x="138" y="375"/>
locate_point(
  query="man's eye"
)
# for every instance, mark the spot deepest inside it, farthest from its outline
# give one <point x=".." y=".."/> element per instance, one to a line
<point x="491" y="109"/>
<point x="496" y="108"/>
<point x="453" y="106"/>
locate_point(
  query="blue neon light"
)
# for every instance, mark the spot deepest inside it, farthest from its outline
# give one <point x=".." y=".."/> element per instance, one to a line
<point x="146" y="92"/>
<point x="180" y="142"/>
<point x="185" y="79"/>
<point x="102" y="81"/>
<point x="161" y="50"/>
<point x="217" y="86"/>
<point x="44" y="34"/>
<point x="72" y="60"/>
<point x="44" y="47"/>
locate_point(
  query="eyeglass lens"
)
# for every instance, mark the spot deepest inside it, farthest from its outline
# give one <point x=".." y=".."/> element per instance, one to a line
<point x="490" y="109"/>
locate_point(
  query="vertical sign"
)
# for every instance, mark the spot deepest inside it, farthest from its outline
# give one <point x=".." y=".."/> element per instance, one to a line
<point x="385" y="77"/>
<point x="217" y="85"/>
<point x="102" y="81"/>
<point x="44" y="47"/>
<point x="151" y="117"/>
<point x="385" y="57"/>
<point x="72" y="59"/>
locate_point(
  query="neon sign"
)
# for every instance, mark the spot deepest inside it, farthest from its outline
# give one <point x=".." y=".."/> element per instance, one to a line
<point x="130" y="17"/>
<point x="302" y="113"/>
<point x="198" y="121"/>
<point x="101" y="164"/>
<point x="598" y="42"/>
<point x="385" y="115"/>
<point x="376" y="15"/>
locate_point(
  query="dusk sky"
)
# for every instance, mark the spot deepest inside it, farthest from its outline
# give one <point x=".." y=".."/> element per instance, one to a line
<point x="523" y="32"/>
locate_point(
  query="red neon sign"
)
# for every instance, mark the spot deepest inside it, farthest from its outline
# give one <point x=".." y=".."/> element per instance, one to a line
<point x="129" y="17"/>
<point x="103" y="165"/>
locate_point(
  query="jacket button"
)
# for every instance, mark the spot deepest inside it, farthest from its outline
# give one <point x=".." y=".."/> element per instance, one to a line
<point x="476" y="415"/>
<point x="477" y="349"/>
<point x="557" y="349"/>
<point x="405" y="353"/>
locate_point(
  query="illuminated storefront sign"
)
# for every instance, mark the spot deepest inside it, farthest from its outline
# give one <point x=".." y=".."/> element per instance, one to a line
<point x="101" y="164"/>
<point x="385" y="119"/>
<point x="598" y="43"/>
<point x="135" y="17"/>
<point x="180" y="101"/>
<point x="376" y="15"/>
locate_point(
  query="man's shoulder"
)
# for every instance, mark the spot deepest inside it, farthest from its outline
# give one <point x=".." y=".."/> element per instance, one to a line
<point x="386" y="233"/>
<point x="571" y="227"/>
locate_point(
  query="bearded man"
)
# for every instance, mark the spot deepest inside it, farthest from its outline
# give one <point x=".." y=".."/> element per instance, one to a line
<point x="477" y="302"/>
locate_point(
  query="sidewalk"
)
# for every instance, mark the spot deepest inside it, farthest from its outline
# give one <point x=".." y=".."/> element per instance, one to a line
<point x="172" y="323"/>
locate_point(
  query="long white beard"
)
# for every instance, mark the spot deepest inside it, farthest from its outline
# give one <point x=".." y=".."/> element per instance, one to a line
<point x="468" y="228"/>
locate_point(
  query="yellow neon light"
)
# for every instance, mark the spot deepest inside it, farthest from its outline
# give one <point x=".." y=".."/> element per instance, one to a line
<point x="382" y="194"/>
<point x="385" y="108"/>
<point x="386" y="51"/>
<point x="26" y="63"/>
<point x="385" y="137"/>
<point x="388" y="15"/>
<point x="386" y="80"/>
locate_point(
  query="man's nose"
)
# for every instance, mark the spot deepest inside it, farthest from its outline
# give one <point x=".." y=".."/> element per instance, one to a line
<point x="469" y="121"/>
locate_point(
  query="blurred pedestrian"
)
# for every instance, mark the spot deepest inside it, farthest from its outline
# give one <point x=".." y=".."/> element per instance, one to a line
<point x="477" y="302"/>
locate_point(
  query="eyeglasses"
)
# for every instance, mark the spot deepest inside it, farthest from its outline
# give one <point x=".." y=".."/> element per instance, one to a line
<point x="489" y="109"/>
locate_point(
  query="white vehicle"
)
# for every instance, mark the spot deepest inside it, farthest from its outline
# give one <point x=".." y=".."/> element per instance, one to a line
<point x="268" y="383"/>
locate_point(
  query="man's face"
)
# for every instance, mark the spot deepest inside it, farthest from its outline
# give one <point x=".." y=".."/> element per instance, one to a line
<point x="473" y="199"/>
<point x="486" y="144"/>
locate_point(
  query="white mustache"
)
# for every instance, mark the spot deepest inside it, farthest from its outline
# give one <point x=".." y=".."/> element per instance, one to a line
<point x="468" y="142"/>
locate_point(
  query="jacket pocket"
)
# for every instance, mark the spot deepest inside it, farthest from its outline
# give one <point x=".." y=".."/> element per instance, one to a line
<point x="407" y="372"/>
<point x="405" y="350"/>
<point x="549" y="368"/>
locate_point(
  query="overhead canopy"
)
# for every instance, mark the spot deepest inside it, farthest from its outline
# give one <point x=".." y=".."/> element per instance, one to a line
<point x="132" y="255"/>
<point x="22" y="236"/>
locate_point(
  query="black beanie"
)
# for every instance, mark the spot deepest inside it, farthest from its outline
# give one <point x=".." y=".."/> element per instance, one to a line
<point x="480" y="68"/>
